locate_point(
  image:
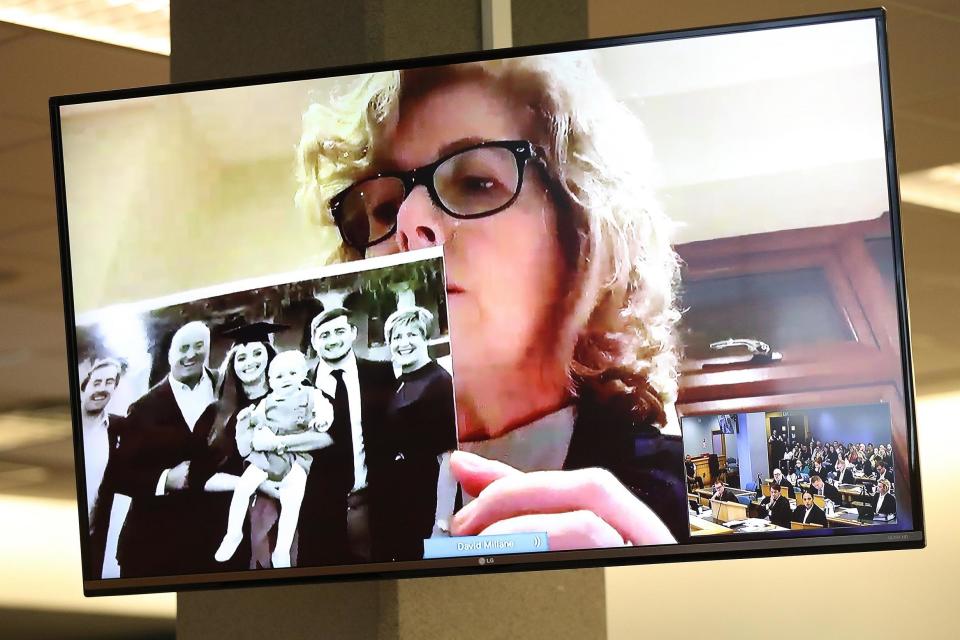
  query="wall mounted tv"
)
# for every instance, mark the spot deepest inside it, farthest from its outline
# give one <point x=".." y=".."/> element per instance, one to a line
<point x="487" y="312"/>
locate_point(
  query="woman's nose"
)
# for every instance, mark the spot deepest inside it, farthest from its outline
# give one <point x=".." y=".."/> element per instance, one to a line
<point x="420" y="224"/>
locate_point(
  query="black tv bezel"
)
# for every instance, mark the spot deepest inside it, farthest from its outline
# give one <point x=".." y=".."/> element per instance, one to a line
<point x="743" y="546"/>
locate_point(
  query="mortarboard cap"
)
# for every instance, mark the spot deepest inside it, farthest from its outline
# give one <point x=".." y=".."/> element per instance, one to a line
<point x="254" y="332"/>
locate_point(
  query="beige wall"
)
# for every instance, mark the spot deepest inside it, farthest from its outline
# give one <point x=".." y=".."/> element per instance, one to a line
<point x="178" y="217"/>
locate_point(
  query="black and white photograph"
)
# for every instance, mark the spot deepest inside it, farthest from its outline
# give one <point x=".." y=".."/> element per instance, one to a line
<point x="298" y="422"/>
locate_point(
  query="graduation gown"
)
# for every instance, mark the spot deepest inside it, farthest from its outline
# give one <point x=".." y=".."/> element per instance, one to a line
<point x="178" y="532"/>
<point x="889" y="506"/>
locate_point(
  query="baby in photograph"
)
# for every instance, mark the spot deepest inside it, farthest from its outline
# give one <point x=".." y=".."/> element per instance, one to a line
<point x="291" y="407"/>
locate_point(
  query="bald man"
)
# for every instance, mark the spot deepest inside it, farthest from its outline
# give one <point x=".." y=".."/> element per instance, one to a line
<point x="168" y="529"/>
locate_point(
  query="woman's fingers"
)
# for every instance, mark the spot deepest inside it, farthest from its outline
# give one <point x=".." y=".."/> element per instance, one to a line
<point x="474" y="472"/>
<point x="596" y="490"/>
<point x="565" y="531"/>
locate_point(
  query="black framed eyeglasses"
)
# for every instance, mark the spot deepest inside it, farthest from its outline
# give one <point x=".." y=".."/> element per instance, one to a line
<point x="474" y="182"/>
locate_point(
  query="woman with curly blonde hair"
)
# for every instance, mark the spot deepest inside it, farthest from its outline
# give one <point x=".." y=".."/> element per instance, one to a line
<point x="560" y="276"/>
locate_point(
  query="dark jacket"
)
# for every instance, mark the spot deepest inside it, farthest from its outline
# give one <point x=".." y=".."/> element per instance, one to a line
<point x="177" y="532"/>
<point x="846" y="477"/>
<point x="323" y="515"/>
<point x="727" y="496"/>
<point x="780" y="514"/>
<point x="420" y="425"/>
<point x="647" y="462"/>
<point x="817" y="516"/>
<point x="889" y="506"/>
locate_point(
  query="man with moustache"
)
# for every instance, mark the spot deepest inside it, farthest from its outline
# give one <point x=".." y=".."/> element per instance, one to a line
<point x="101" y="434"/>
<point x="340" y="502"/>
<point x="168" y="530"/>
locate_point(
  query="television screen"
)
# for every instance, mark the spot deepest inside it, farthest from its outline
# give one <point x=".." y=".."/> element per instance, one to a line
<point x="627" y="300"/>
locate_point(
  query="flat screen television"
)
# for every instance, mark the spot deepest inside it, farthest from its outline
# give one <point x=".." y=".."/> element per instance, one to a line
<point x="507" y="310"/>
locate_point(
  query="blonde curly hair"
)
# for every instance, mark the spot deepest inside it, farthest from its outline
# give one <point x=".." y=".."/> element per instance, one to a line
<point x="621" y="310"/>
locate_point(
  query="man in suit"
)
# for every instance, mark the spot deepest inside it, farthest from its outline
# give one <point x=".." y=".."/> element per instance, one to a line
<point x="170" y="528"/>
<point x="785" y="484"/>
<point x="808" y="512"/>
<point x="818" y="468"/>
<point x="844" y="472"/>
<point x="338" y="519"/>
<point x="721" y="492"/>
<point x="884" y="473"/>
<point x="778" y="506"/>
<point x="828" y="491"/>
<point x="884" y="502"/>
<point x="101" y="433"/>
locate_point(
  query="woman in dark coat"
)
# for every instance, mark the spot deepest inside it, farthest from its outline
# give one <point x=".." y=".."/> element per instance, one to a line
<point x="420" y="427"/>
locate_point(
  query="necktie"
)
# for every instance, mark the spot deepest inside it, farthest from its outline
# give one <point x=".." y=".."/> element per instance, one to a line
<point x="341" y="430"/>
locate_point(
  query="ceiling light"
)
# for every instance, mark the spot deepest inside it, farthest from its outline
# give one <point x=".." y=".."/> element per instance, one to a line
<point x="938" y="188"/>
<point x="137" y="24"/>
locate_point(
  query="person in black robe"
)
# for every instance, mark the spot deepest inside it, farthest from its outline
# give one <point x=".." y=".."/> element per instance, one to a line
<point x="809" y="513"/>
<point x="170" y="528"/>
<point x="884" y="502"/>
<point x="420" y="427"/>
<point x="778" y="507"/>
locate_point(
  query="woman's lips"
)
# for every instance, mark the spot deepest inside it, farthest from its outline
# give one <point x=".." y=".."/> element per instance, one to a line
<point x="453" y="288"/>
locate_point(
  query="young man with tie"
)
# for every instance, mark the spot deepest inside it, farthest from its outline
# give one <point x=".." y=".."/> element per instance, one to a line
<point x="337" y="519"/>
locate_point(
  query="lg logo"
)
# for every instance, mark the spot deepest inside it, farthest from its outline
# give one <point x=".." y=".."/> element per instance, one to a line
<point x="484" y="561"/>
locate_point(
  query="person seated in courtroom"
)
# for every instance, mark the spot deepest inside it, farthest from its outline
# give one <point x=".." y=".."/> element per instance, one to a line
<point x="883" y="472"/>
<point x="828" y="491"/>
<point x="818" y="468"/>
<point x="778" y="507"/>
<point x="693" y="480"/>
<point x="781" y="480"/>
<point x="868" y="466"/>
<point x="722" y="493"/>
<point x="808" y="512"/>
<point x="844" y="471"/>
<point x="884" y="503"/>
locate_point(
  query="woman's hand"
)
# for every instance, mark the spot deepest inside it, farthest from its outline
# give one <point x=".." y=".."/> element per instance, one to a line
<point x="582" y="509"/>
